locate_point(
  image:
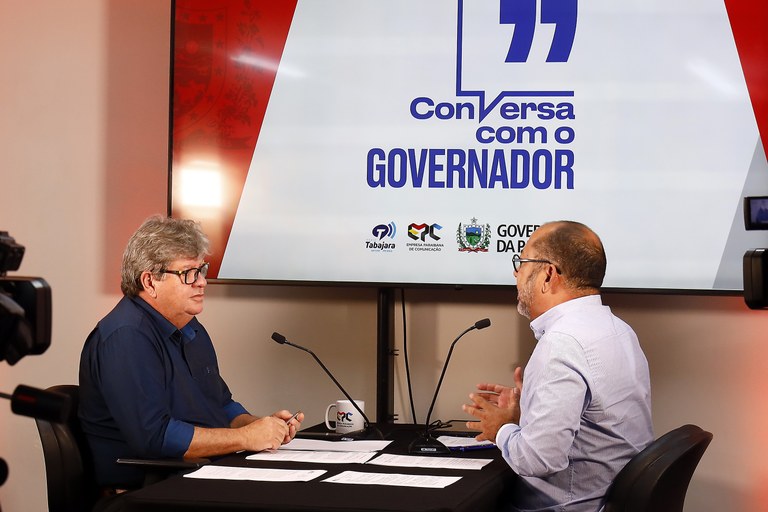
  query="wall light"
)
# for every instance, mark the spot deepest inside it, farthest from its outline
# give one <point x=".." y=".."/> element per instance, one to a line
<point x="201" y="185"/>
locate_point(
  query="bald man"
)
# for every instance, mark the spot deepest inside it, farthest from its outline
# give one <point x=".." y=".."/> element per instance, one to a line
<point x="585" y="409"/>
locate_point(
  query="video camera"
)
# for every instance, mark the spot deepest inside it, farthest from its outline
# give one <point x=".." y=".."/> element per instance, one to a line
<point x="25" y="328"/>
<point x="25" y="307"/>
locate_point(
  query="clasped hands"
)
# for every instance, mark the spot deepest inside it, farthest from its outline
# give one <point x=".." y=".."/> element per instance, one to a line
<point x="292" y="421"/>
<point x="269" y="432"/>
<point x="494" y="405"/>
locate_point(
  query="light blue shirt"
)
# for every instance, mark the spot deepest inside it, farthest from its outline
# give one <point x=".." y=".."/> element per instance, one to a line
<point x="585" y="409"/>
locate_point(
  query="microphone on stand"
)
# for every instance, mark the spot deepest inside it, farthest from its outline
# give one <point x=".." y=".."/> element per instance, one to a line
<point x="367" y="428"/>
<point x="427" y="444"/>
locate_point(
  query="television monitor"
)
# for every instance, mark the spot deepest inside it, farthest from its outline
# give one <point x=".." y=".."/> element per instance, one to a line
<point x="402" y="143"/>
<point x="756" y="212"/>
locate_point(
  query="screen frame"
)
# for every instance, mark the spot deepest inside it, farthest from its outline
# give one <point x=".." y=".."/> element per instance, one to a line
<point x="398" y="285"/>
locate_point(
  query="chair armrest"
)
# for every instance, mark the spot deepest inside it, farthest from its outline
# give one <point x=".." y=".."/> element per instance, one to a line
<point x="160" y="469"/>
<point x="170" y="464"/>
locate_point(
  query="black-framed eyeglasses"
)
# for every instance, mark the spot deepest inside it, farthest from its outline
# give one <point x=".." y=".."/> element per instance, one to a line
<point x="517" y="261"/>
<point x="191" y="275"/>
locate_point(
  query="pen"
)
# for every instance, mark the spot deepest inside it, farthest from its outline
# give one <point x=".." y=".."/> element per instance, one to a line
<point x="308" y="434"/>
<point x="473" y="447"/>
<point x="288" y="421"/>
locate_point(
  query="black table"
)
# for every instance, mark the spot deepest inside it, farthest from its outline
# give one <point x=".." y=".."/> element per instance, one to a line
<point x="476" y="491"/>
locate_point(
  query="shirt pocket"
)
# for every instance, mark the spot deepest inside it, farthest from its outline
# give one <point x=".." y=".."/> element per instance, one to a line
<point x="208" y="381"/>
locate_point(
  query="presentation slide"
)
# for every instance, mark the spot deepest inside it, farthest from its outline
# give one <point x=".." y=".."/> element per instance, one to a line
<point x="406" y="142"/>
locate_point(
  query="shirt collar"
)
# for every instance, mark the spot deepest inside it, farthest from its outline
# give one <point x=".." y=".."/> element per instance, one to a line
<point x="543" y="322"/>
<point x="188" y="332"/>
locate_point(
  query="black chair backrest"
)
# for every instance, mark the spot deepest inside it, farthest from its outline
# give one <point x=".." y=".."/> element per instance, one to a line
<point x="657" y="478"/>
<point x="68" y="464"/>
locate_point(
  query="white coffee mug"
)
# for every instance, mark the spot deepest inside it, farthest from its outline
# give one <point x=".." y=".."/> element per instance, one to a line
<point x="348" y="419"/>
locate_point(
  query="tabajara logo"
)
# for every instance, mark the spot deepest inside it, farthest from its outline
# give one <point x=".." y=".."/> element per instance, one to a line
<point x="379" y="233"/>
<point x="473" y="237"/>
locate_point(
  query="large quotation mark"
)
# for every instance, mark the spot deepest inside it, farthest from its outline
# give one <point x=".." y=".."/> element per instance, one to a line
<point x="522" y="14"/>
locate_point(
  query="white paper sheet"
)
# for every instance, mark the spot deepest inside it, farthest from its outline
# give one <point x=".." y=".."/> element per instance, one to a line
<point x="321" y="457"/>
<point x="335" y="446"/>
<point x="256" y="474"/>
<point x="418" y="461"/>
<point x="395" y="479"/>
<point x="469" y="443"/>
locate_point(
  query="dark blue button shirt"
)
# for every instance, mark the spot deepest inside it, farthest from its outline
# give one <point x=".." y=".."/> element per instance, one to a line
<point x="144" y="385"/>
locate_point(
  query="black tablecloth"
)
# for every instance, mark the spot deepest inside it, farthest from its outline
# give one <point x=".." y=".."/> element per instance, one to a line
<point x="476" y="491"/>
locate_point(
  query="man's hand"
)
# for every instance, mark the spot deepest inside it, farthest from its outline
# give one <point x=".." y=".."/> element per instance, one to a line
<point x="498" y="395"/>
<point x="265" y="433"/>
<point x="495" y="405"/>
<point x="246" y="432"/>
<point x="294" y="423"/>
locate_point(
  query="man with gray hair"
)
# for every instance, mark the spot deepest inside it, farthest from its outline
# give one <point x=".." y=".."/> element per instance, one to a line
<point x="585" y="410"/>
<point x="149" y="378"/>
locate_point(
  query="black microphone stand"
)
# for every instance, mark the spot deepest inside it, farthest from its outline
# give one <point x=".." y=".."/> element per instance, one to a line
<point x="368" y="429"/>
<point x="427" y="444"/>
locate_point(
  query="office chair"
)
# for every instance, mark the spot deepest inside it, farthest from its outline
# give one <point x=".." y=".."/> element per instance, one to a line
<point x="69" y="472"/>
<point x="657" y="478"/>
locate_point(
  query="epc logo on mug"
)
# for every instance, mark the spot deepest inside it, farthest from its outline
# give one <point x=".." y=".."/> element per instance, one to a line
<point x="348" y="419"/>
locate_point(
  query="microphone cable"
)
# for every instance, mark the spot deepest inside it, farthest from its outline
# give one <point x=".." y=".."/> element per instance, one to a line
<point x="405" y="356"/>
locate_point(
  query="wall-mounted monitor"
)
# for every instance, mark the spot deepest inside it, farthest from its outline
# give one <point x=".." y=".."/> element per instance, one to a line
<point x="401" y="142"/>
<point x="756" y="212"/>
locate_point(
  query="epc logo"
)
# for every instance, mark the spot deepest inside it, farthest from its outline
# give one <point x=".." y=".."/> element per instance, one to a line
<point x="422" y="231"/>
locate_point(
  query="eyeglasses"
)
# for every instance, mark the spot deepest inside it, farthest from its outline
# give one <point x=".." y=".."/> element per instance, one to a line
<point x="517" y="261"/>
<point x="191" y="275"/>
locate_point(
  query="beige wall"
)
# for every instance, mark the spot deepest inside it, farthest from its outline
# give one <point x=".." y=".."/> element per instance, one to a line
<point x="83" y="130"/>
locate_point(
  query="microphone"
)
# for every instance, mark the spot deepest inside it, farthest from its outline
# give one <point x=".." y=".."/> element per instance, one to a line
<point x="427" y="444"/>
<point x="39" y="403"/>
<point x="279" y="338"/>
